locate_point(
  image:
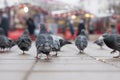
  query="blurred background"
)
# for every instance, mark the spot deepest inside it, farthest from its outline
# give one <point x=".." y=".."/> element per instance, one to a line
<point x="61" y="17"/>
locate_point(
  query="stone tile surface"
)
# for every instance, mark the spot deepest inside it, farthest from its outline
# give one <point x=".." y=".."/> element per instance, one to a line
<point x="95" y="64"/>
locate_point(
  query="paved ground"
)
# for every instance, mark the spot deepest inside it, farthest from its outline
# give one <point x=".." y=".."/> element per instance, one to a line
<point x="95" y="64"/>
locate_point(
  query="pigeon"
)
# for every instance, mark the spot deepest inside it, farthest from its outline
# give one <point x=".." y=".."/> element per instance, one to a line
<point x="81" y="41"/>
<point x="99" y="42"/>
<point x="44" y="43"/>
<point x="4" y="42"/>
<point x="112" y="41"/>
<point x="24" y="42"/>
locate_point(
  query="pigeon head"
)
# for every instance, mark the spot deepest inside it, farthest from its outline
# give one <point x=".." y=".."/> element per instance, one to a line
<point x="83" y="32"/>
<point x="105" y="35"/>
<point x="26" y="32"/>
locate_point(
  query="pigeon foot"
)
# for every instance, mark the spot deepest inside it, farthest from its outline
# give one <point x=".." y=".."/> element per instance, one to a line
<point x="112" y="52"/>
<point x="117" y="56"/>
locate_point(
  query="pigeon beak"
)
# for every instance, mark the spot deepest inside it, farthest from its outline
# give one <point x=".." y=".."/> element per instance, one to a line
<point x="101" y="37"/>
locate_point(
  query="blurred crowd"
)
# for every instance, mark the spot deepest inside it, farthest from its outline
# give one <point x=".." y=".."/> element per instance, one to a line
<point x="12" y="20"/>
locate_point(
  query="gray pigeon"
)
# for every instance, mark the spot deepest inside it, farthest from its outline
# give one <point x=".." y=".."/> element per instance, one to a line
<point x="112" y="41"/>
<point x="4" y="42"/>
<point x="100" y="42"/>
<point x="44" y="43"/>
<point x="24" y="42"/>
<point x="81" y="41"/>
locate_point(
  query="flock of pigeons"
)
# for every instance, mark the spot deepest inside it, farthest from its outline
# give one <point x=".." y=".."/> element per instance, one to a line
<point x="47" y="42"/>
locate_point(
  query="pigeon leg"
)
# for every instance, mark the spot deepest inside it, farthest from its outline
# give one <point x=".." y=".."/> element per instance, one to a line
<point x="56" y="54"/>
<point x="37" y="56"/>
<point x="3" y="50"/>
<point x="79" y="52"/>
<point x="59" y="49"/>
<point x="47" y="58"/>
<point x="82" y="51"/>
<point x="101" y="47"/>
<point x="40" y="56"/>
<point x="23" y="52"/>
<point x="117" y="56"/>
<point x="112" y="52"/>
<point x="9" y="49"/>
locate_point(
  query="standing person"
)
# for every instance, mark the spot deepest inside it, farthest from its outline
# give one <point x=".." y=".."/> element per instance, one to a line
<point x="91" y="27"/>
<point x="40" y="20"/>
<point x="37" y="24"/>
<point x="71" y="28"/>
<point x="31" y="26"/>
<point x="5" y="23"/>
<point x="53" y="27"/>
<point x="81" y="26"/>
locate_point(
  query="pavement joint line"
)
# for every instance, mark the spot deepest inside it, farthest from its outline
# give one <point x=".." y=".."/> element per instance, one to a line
<point x="29" y="71"/>
<point x="105" y="62"/>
